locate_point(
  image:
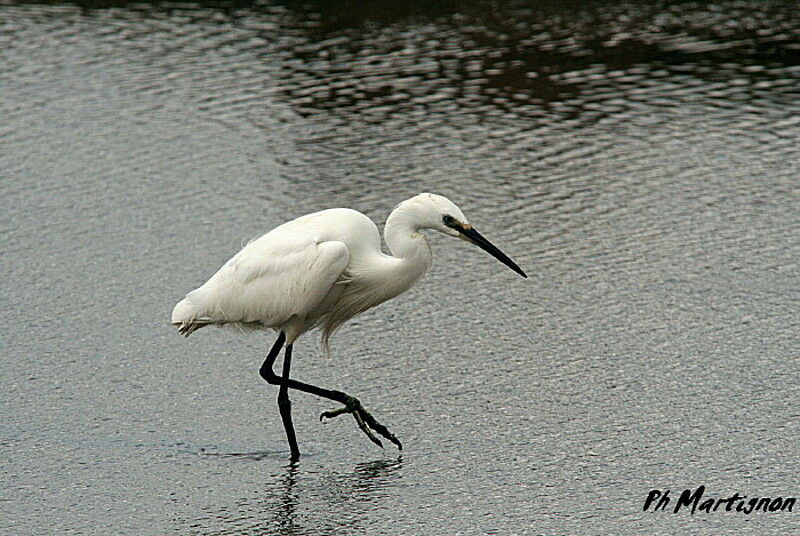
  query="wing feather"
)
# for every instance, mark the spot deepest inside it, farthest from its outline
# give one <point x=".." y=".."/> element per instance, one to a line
<point x="272" y="279"/>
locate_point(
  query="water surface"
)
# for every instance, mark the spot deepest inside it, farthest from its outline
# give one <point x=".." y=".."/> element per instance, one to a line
<point x="639" y="162"/>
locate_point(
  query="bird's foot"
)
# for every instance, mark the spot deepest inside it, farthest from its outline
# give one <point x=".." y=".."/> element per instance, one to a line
<point x="365" y="421"/>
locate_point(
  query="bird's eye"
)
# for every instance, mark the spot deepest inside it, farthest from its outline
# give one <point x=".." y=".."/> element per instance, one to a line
<point x="449" y="220"/>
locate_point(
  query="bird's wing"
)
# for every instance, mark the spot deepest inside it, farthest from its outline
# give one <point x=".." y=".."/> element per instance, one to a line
<point x="272" y="279"/>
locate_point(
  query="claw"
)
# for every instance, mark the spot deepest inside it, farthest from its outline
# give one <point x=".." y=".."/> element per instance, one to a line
<point x="381" y="429"/>
<point x="333" y="413"/>
<point x="366" y="422"/>
<point x="365" y="429"/>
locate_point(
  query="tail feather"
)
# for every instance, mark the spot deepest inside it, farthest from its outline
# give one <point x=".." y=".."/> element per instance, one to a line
<point x="185" y="318"/>
<point x="194" y="312"/>
<point x="187" y="328"/>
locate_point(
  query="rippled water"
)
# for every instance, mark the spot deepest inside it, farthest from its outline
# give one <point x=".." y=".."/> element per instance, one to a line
<point x="639" y="162"/>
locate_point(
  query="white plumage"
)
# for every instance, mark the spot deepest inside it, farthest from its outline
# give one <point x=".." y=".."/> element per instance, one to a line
<point x="321" y="269"/>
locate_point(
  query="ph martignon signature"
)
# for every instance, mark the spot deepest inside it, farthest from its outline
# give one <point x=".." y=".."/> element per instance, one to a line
<point x="660" y="500"/>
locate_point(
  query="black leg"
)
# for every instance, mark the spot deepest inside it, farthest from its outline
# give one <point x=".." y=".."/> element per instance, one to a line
<point x="352" y="405"/>
<point x="285" y="405"/>
<point x="273" y="353"/>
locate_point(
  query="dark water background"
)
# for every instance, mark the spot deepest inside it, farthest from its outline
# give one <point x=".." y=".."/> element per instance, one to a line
<point x="639" y="161"/>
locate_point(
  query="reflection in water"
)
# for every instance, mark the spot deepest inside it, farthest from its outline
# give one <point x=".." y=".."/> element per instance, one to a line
<point x="301" y="502"/>
<point x="513" y="57"/>
<point x="285" y="521"/>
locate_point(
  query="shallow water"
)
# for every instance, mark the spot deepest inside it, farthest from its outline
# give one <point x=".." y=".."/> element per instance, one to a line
<point x="640" y="163"/>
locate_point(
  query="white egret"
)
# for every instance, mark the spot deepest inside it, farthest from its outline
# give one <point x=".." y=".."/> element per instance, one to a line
<point x="320" y="270"/>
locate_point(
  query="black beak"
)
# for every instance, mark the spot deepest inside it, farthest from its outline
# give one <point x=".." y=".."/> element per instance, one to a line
<point x="468" y="232"/>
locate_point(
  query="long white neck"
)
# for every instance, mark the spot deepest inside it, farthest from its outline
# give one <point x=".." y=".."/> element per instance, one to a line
<point x="405" y="241"/>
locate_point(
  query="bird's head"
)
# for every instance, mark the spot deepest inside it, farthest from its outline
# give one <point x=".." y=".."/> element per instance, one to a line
<point x="439" y="213"/>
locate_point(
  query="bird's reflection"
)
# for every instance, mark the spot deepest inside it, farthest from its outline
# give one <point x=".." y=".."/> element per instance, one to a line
<point x="299" y="501"/>
<point x="285" y="517"/>
<point x="343" y="497"/>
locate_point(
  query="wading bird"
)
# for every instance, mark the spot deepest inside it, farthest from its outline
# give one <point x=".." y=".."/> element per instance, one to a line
<point x="321" y="270"/>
